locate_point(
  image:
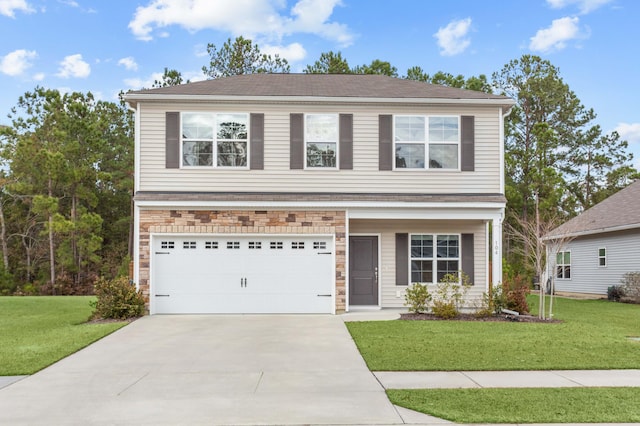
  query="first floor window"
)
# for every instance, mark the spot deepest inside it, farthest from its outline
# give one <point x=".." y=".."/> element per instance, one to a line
<point x="602" y="257"/>
<point x="433" y="257"/>
<point x="563" y="265"/>
<point x="214" y="140"/>
<point x="321" y="140"/>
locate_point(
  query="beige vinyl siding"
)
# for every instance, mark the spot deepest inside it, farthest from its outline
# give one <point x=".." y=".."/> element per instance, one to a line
<point x="623" y="255"/>
<point x="393" y="295"/>
<point x="276" y="176"/>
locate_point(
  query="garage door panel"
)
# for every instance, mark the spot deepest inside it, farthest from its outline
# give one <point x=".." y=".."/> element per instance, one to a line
<point x="239" y="274"/>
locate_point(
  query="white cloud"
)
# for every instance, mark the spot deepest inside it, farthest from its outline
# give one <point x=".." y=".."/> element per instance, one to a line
<point x="556" y="36"/>
<point x="292" y="53"/>
<point x="9" y="7"/>
<point x="452" y="38"/>
<point x="140" y="83"/>
<point x="260" y="18"/>
<point x="17" y="62"/>
<point x="629" y="132"/>
<point x="129" y="63"/>
<point x="70" y="3"/>
<point x="585" y="6"/>
<point x="38" y="76"/>
<point x="74" y="66"/>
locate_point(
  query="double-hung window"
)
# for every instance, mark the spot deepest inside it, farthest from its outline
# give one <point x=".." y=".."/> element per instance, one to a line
<point x="602" y="257"/>
<point x="321" y="140"/>
<point x="426" y="142"/>
<point x="214" y="140"/>
<point x="563" y="265"/>
<point x="433" y="257"/>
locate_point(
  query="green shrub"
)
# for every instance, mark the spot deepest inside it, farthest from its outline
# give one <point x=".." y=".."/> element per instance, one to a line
<point x="117" y="299"/>
<point x="492" y="302"/>
<point x="417" y="298"/>
<point x="615" y="293"/>
<point x="449" y="295"/>
<point x="631" y="286"/>
<point x="7" y="283"/>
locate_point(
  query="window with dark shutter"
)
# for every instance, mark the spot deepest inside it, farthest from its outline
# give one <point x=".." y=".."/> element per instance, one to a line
<point x="468" y="256"/>
<point x="385" y="140"/>
<point x="256" y="142"/>
<point x="172" y="140"/>
<point x="346" y="141"/>
<point x="296" y="146"/>
<point x="402" y="259"/>
<point x="468" y="144"/>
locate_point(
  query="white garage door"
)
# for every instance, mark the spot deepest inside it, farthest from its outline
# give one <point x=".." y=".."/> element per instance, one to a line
<point x="239" y="274"/>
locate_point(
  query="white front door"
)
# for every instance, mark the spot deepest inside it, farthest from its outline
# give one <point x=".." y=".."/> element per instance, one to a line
<point x="240" y="274"/>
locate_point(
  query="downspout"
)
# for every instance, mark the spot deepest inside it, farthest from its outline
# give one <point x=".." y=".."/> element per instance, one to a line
<point x="136" y="186"/>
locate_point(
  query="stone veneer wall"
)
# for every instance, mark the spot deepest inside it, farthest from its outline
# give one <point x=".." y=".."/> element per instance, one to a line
<point x="244" y="222"/>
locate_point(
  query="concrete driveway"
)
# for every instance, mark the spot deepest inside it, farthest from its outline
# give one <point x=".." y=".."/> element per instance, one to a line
<point x="171" y="370"/>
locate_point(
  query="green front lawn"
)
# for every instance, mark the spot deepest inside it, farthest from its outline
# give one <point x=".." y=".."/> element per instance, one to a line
<point x="38" y="331"/>
<point x="566" y="405"/>
<point x="593" y="335"/>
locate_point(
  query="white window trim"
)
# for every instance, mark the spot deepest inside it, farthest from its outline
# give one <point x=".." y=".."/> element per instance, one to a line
<point x="555" y="272"/>
<point x="427" y="143"/>
<point x="214" y="154"/>
<point x="602" y="257"/>
<point x="435" y="258"/>
<point x="304" y="118"/>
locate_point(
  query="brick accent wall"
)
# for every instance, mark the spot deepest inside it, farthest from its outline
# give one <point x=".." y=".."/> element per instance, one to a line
<point x="244" y="222"/>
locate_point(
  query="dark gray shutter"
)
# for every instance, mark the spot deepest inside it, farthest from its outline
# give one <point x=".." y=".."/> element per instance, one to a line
<point x="296" y="147"/>
<point x="467" y="137"/>
<point x="172" y="140"/>
<point x="466" y="247"/>
<point x="256" y="142"/>
<point x="346" y="141"/>
<point x="402" y="259"/>
<point x="385" y="149"/>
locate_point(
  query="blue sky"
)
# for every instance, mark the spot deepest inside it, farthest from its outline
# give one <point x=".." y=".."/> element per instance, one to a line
<point x="108" y="46"/>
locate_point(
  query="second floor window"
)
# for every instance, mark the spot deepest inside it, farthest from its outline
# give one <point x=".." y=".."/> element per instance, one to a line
<point x="214" y="140"/>
<point x="321" y="140"/>
<point x="426" y="142"/>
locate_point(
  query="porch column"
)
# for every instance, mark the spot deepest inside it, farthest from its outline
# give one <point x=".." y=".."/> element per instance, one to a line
<point x="496" y="273"/>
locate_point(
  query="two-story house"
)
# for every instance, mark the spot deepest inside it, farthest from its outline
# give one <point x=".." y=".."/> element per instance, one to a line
<point x="302" y="193"/>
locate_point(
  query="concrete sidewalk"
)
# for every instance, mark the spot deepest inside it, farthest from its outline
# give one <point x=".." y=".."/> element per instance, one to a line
<point x="507" y="379"/>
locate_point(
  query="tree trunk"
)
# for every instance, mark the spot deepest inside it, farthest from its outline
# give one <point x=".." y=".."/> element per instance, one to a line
<point x="52" y="264"/>
<point x="3" y="238"/>
<point x="74" y="243"/>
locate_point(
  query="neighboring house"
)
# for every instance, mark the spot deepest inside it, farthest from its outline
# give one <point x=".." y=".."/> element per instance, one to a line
<point x="307" y="193"/>
<point x="600" y="245"/>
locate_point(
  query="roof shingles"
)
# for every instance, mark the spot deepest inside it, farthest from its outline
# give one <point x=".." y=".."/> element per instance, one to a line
<point x="621" y="210"/>
<point x="320" y="85"/>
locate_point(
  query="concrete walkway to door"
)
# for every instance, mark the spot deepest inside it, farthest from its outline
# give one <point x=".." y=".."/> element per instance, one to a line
<point x="207" y="370"/>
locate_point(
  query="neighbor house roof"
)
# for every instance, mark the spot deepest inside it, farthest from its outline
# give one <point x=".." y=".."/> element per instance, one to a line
<point x="618" y="212"/>
<point x="345" y="87"/>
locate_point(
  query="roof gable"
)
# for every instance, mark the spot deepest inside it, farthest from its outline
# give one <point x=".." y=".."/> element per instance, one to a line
<point x="619" y="211"/>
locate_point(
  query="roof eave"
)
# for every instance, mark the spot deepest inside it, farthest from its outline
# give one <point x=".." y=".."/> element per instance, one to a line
<point x="133" y="98"/>
<point x="592" y="232"/>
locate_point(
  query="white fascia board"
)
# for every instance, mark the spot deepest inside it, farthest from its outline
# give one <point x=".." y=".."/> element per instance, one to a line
<point x="137" y="97"/>
<point x="352" y="205"/>
<point x="592" y="232"/>
<point x="449" y="213"/>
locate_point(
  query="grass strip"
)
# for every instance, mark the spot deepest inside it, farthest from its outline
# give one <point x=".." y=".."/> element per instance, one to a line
<point x="37" y="331"/>
<point x="524" y="405"/>
<point x="594" y="334"/>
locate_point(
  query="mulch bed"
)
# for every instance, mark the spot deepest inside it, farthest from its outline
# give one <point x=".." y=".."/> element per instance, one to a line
<point x="472" y="317"/>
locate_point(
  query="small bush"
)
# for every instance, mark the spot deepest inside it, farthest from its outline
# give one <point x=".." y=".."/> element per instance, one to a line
<point x="417" y="298"/>
<point x="449" y="295"/>
<point x="7" y="283"/>
<point x="117" y="299"/>
<point x="631" y="286"/>
<point x="492" y="302"/>
<point x="515" y="292"/>
<point x="615" y="293"/>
